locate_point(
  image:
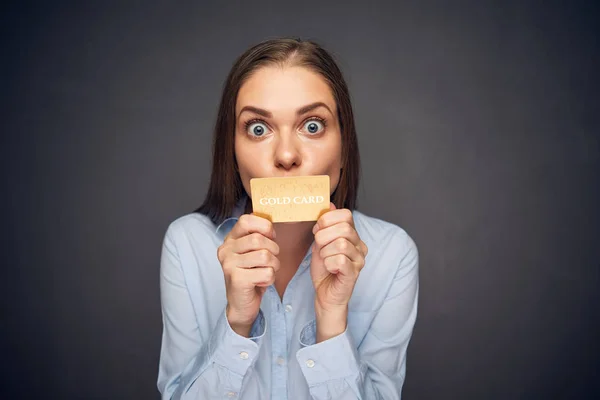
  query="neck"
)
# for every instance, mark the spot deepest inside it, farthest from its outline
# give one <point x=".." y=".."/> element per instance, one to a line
<point x="294" y="240"/>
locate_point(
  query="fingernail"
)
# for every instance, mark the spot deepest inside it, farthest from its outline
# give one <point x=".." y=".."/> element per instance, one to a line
<point x="315" y="229"/>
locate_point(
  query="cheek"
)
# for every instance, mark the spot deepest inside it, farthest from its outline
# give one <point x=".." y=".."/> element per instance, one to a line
<point x="333" y="158"/>
<point x="250" y="160"/>
<point x="334" y="179"/>
<point x="242" y="155"/>
<point x="243" y="172"/>
<point x="336" y="153"/>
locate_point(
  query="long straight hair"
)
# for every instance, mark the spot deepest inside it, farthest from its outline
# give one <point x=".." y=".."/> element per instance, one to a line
<point x="226" y="188"/>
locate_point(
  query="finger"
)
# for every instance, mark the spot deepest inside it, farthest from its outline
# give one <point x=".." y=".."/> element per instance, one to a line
<point x="328" y="235"/>
<point x="342" y="230"/>
<point x="339" y="264"/>
<point x="255" y="241"/>
<point x="261" y="289"/>
<point x="342" y="246"/>
<point x="257" y="258"/>
<point x="263" y="276"/>
<point x="249" y="278"/>
<point x="333" y="217"/>
<point x="249" y="223"/>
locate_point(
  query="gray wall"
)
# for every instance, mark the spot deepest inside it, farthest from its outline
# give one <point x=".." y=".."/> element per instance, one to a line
<point x="478" y="126"/>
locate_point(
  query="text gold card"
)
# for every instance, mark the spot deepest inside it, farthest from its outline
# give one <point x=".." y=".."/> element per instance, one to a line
<point x="290" y="199"/>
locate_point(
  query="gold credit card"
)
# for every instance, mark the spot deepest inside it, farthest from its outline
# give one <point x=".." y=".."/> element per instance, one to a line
<point x="290" y="199"/>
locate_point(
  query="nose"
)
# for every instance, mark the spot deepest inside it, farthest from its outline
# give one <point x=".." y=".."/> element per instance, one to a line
<point x="287" y="151"/>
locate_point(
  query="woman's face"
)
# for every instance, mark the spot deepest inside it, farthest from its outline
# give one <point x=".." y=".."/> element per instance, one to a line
<point x="286" y="125"/>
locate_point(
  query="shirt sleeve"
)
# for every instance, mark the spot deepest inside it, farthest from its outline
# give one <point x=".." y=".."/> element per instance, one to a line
<point x="190" y="367"/>
<point x="337" y="369"/>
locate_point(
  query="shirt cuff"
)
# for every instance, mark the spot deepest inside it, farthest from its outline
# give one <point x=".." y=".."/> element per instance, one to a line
<point x="331" y="359"/>
<point x="235" y="352"/>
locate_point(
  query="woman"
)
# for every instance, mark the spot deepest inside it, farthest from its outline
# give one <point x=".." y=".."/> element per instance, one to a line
<point x="257" y="310"/>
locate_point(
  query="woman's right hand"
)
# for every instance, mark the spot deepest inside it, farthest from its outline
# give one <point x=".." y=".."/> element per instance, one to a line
<point x="249" y="260"/>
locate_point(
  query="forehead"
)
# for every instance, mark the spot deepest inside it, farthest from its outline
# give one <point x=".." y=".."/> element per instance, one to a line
<point x="284" y="89"/>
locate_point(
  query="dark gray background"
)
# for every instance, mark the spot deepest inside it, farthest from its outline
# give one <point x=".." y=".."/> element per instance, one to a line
<point x="478" y="125"/>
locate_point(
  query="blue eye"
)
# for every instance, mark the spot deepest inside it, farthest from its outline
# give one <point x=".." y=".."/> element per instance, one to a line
<point x="314" y="126"/>
<point x="257" y="128"/>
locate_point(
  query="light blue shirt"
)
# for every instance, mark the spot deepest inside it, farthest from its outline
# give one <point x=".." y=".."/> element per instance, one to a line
<point x="203" y="358"/>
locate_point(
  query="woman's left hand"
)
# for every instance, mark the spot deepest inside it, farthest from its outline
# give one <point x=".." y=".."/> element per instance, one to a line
<point x="338" y="255"/>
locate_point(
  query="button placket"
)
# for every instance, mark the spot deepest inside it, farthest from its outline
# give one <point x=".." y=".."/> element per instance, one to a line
<point x="279" y="343"/>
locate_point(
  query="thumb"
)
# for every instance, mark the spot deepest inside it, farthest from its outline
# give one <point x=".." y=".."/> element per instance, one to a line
<point x="316" y="227"/>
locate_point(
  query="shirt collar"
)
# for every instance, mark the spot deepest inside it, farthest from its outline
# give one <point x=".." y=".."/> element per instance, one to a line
<point x="224" y="227"/>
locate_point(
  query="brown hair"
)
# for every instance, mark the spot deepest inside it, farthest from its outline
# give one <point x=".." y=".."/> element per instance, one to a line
<point x="226" y="188"/>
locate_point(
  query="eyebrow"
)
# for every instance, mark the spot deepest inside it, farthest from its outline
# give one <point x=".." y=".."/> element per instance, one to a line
<point x="300" y="111"/>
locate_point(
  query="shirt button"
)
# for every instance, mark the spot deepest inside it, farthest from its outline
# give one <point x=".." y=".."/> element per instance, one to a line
<point x="310" y="363"/>
<point x="280" y="361"/>
<point x="288" y="308"/>
<point x="244" y="355"/>
<point x="231" y="394"/>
